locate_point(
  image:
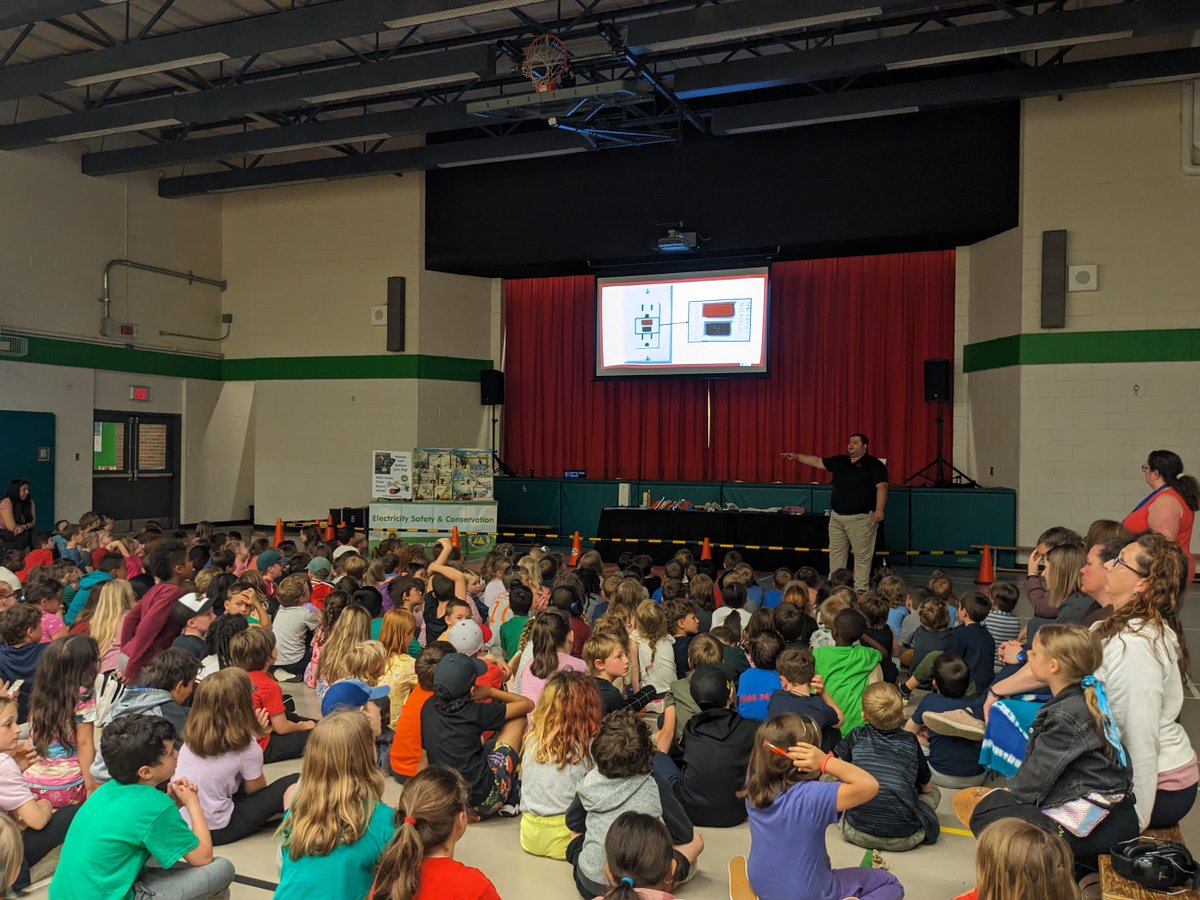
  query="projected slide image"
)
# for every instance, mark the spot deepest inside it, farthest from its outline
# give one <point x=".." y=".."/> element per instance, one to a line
<point x="684" y="325"/>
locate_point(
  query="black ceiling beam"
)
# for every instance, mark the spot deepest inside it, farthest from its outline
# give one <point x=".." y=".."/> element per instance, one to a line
<point x="388" y="162"/>
<point x="996" y="38"/>
<point x="967" y="90"/>
<point x="14" y="13"/>
<point x="421" y="120"/>
<point x="258" y="97"/>
<point x="241" y="37"/>
<point x="753" y="18"/>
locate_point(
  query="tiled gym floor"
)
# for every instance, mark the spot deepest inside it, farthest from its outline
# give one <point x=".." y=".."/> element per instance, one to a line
<point x="928" y="873"/>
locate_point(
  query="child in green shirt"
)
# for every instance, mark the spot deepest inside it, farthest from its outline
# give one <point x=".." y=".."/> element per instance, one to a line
<point x="848" y="667"/>
<point x="128" y="820"/>
<point x="520" y="600"/>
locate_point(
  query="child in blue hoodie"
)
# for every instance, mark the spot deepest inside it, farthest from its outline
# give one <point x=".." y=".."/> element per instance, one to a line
<point x="112" y="565"/>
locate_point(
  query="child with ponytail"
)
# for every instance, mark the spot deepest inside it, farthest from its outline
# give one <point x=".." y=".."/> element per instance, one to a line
<point x="638" y="859"/>
<point x="1076" y="777"/>
<point x="419" y="863"/>
<point x="551" y="638"/>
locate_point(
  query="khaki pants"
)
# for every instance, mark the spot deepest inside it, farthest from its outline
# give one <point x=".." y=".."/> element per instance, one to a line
<point x="857" y="534"/>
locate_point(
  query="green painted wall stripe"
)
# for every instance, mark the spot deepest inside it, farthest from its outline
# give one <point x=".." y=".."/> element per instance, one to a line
<point x="115" y="358"/>
<point x="1047" y="348"/>
<point x="435" y="368"/>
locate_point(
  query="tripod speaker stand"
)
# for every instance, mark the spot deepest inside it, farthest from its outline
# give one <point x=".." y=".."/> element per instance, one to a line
<point x="939" y="471"/>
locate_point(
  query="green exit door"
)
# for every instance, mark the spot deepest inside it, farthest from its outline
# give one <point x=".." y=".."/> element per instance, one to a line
<point x="27" y="452"/>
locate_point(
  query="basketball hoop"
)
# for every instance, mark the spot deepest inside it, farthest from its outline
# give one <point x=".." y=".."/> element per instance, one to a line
<point x="546" y="60"/>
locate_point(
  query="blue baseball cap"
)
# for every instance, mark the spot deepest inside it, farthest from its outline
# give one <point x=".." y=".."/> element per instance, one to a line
<point x="351" y="694"/>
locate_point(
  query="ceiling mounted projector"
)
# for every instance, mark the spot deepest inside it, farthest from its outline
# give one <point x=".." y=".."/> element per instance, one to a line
<point x="676" y="241"/>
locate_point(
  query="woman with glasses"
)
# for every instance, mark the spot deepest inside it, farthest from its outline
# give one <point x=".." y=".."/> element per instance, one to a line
<point x="1145" y="659"/>
<point x="1170" y="507"/>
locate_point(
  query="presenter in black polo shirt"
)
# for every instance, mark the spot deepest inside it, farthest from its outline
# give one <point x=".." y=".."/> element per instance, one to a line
<point x="859" y="495"/>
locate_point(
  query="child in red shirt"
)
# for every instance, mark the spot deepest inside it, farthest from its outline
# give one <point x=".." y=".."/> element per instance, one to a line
<point x="254" y="651"/>
<point x="433" y="810"/>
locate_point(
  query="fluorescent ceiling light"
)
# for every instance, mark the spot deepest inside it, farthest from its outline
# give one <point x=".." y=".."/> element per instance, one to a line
<point x="391" y="88"/>
<point x="101" y="132"/>
<point x="1015" y="48"/>
<point x="752" y="31"/>
<point x="494" y="159"/>
<point x="256" y="187"/>
<point x="315" y="144"/>
<point x="796" y="123"/>
<point x="444" y="15"/>
<point x="148" y="69"/>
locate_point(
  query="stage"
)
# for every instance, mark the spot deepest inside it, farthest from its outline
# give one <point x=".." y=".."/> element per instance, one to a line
<point x="923" y="519"/>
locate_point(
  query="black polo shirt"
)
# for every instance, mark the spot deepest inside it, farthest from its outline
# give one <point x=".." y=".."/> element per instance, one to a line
<point x="854" y="483"/>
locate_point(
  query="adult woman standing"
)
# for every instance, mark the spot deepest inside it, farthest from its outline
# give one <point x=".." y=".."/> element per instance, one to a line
<point x="1170" y="508"/>
<point x="1144" y="658"/>
<point x="17" y="516"/>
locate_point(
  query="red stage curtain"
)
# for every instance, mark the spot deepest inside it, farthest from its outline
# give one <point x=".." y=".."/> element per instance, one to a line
<point x="848" y="339"/>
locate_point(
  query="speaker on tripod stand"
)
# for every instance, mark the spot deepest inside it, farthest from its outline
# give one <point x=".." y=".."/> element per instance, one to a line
<point x="939" y="390"/>
<point x="491" y="393"/>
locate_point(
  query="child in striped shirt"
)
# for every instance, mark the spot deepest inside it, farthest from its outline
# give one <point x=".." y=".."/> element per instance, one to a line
<point x="1001" y="622"/>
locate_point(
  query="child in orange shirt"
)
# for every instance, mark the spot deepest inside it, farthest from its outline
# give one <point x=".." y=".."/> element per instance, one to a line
<point x="406" y="757"/>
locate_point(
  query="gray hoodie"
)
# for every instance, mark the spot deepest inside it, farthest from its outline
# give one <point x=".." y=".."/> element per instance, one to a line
<point x="603" y="800"/>
<point x="140" y="701"/>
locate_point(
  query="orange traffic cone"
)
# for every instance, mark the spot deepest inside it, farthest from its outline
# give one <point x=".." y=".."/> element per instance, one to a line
<point x="576" y="550"/>
<point x="329" y="530"/>
<point x="706" y="550"/>
<point x="278" y="532"/>
<point x="454" y="542"/>
<point x="986" y="575"/>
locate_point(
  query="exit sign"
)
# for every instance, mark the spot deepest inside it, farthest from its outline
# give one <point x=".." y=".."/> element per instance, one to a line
<point x="139" y="392"/>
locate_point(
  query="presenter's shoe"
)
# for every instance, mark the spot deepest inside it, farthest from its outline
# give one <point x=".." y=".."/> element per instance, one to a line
<point x="955" y="723"/>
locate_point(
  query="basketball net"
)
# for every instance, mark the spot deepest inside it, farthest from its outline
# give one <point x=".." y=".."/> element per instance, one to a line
<point x="546" y="62"/>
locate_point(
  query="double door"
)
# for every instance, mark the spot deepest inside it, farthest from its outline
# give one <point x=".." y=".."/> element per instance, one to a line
<point x="135" y="468"/>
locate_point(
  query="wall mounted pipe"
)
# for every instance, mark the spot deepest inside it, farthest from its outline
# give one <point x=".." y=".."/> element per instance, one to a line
<point x="189" y="277"/>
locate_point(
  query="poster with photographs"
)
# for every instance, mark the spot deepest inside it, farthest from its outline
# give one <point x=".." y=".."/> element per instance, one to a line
<point x="391" y="475"/>
<point x="452" y="474"/>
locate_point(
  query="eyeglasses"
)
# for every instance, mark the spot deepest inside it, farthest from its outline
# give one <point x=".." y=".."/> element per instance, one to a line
<point x="1120" y="562"/>
<point x="1145" y="468"/>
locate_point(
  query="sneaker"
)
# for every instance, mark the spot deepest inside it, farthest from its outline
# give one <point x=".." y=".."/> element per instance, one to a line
<point x="692" y="870"/>
<point x="508" y="811"/>
<point x="284" y="677"/>
<point x="905" y="691"/>
<point x="956" y="723"/>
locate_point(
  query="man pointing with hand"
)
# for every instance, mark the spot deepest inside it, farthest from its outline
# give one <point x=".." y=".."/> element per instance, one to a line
<point x="859" y="495"/>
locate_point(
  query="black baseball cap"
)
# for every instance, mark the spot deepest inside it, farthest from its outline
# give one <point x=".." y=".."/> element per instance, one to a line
<point x="457" y="673"/>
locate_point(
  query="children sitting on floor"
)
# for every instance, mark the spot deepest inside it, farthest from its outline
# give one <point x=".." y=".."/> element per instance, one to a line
<point x="678" y="704"/>
<point x="221" y="755"/>
<point x="21" y="649"/>
<point x="293" y="625"/>
<point x="128" y="820"/>
<point x="62" y="717"/>
<point x="622" y="782"/>
<point x="452" y="726"/>
<point x="1001" y="623"/>
<point x="556" y="757"/>
<point x="802" y="692"/>
<point x="431" y="818"/>
<point x="607" y="660"/>
<point x="756" y="684"/>
<point x="903" y="815"/>
<point x="337" y="825"/>
<point x="847" y="667"/>
<point x="254" y="651"/>
<point x="953" y="761"/>
<point x="789" y="811"/>
<point x="1015" y="858"/>
<point x="406" y="755"/>
<point x="638" y="859"/>
<point x="716" y="747"/>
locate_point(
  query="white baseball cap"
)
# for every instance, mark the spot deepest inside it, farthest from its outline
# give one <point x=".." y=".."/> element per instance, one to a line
<point x="466" y="637"/>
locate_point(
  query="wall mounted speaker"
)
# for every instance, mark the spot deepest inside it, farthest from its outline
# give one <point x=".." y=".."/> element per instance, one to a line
<point x="1054" y="279"/>
<point x="395" y="314"/>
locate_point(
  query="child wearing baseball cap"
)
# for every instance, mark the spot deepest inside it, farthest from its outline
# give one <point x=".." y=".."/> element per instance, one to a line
<point x="454" y="721"/>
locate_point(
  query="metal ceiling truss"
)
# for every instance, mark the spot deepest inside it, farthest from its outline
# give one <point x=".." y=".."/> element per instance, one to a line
<point x="656" y="82"/>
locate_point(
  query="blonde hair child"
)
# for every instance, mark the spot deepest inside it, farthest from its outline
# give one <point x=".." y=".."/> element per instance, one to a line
<point x="338" y="804"/>
<point x="400" y="674"/>
<point x="221" y="752"/>
<point x="352" y="627"/>
<point x="655" y="646"/>
<point x="1015" y="858"/>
